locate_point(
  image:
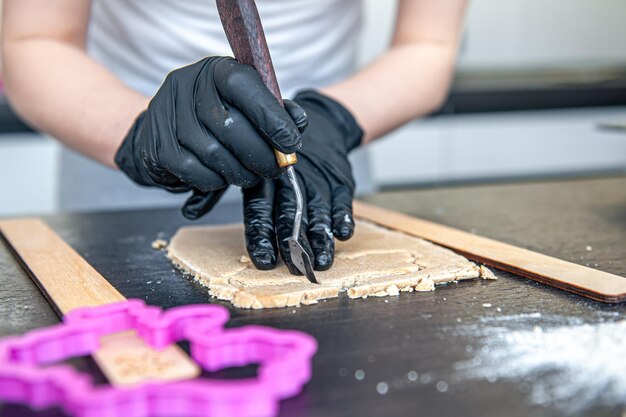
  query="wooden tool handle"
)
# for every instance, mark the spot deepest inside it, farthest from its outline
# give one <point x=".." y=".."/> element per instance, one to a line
<point x="588" y="282"/>
<point x="69" y="282"/>
<point x="242" y="24"/>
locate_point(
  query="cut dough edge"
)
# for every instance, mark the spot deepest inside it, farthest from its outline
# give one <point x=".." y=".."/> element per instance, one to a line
<point x="439" y="266"/>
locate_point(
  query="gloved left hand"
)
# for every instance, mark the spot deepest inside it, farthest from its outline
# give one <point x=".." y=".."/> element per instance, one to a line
<point x="327" y="184"/>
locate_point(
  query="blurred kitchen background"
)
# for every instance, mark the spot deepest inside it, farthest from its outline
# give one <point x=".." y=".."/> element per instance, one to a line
<point x="540" y="92"/>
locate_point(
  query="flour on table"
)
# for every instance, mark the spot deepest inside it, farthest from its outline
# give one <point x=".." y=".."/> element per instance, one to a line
<point x="571" y="366"/>
<point x="375" y="262"/>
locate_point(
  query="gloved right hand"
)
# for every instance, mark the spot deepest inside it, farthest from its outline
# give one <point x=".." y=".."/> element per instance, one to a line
<point x="210" y="125"/>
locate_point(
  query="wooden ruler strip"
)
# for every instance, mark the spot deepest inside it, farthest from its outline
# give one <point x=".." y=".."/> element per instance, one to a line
<point x="568" y="276"/>
<point x="69" y="282"/>
<point x="64" y="277"/>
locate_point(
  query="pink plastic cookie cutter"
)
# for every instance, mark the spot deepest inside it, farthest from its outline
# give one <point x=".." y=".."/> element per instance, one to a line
<point x="283" y="357"/>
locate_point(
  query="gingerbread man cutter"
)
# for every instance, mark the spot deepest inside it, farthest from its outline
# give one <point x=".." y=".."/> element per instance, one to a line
<point x="29" y="373"/>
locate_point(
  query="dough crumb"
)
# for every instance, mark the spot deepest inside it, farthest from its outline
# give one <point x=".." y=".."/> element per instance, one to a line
<point x="245" y="260"/>
<point x="426" y="284"/>
<point x="392" y="290"/>
<point x="159" y="244"/>
<point x="486" y="273"/>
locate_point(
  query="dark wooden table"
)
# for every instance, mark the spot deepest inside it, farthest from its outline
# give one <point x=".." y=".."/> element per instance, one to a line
<point x="384" y="337"/>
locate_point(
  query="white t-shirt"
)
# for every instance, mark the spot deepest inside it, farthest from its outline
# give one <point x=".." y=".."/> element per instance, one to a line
<point x="313" y="43"/>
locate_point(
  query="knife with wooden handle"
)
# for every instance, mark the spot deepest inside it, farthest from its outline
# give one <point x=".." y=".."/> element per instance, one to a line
<point x="244" y="31"/>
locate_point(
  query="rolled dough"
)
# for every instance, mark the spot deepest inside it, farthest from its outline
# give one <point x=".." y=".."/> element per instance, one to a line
<point x="375" y="262"/>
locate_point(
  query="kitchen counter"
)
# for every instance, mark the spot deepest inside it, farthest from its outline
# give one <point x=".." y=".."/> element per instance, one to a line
<point x="414" y="354"/>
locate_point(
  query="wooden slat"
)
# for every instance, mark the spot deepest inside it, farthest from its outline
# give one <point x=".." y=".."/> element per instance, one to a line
<point x="61" y="273"/>
<point x="588" y="282"/>
<point x="69" y="282"/>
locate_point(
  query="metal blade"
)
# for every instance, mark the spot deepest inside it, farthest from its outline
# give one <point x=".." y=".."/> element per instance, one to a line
<point x="301" y="260"/>
<point x="299" y="257"/>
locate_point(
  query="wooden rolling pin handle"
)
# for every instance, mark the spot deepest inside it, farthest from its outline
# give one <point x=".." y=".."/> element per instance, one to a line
<point x="250" y="48"/>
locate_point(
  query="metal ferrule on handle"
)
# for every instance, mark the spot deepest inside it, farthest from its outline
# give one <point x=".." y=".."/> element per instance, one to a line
<point x="285" y="159"/>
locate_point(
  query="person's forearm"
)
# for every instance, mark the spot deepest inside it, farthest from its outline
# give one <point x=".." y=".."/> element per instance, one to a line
<point x="60" y="90"/>
<point x="412" y="79"/>
<point x="407" y="82"/>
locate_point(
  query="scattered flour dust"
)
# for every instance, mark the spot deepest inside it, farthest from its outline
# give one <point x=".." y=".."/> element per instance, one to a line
<point x="571" y="366"/>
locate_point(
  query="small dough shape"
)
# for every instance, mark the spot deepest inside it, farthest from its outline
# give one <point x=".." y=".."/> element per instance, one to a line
<point x="486" y="273"/>
<point x="159" y="244"/>
<point x="375" y="262"/>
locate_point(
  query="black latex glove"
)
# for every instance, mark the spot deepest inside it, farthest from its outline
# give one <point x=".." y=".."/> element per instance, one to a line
<point x="327" y="185"/>
<point x="211" y="124"/>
